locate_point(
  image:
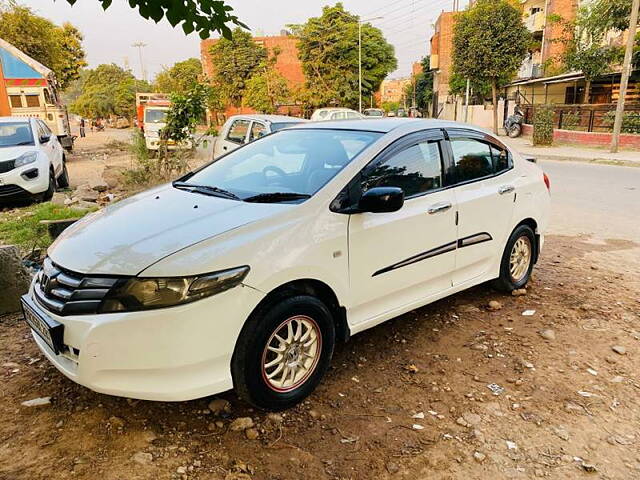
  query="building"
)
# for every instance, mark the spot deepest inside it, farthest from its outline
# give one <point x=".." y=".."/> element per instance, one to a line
<point x="287" y="64"/>
<point x="441" y="59"/>
<point x="393" y="90"/>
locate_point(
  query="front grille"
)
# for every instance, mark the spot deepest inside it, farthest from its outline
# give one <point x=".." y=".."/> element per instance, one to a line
<point x="7" y="166"/>
<point x="12" y="190"/>
<point x="68" y="293"/>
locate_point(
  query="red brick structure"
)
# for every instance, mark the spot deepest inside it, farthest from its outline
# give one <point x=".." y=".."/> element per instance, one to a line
<point x="553" y="46"/>
<point x="441" y="61"/>
<point x="592" y="139"/>
<point x="288" y="64"/>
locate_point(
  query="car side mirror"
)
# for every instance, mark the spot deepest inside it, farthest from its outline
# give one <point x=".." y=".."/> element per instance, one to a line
<point x="45" y="138"/>
<point x="381" y="200"/>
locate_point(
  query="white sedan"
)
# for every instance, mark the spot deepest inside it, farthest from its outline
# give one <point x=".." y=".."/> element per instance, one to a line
<point x="245" y="273"/>
<point x="32" y="161"/>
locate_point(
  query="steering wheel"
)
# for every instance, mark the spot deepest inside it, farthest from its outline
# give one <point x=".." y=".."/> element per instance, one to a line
<point x="272" y="168"/>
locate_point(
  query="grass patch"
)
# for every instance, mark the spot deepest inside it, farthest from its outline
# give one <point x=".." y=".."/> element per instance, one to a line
<point x="22" y="226"/>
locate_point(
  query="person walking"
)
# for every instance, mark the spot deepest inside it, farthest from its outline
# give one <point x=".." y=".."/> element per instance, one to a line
<point x="82" y="132"/>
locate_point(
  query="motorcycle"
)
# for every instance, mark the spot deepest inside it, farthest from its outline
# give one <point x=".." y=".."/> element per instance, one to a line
<point x="513" y="124"/>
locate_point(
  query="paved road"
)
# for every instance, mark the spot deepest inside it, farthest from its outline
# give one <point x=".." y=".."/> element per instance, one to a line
<point x="601" y="200"/>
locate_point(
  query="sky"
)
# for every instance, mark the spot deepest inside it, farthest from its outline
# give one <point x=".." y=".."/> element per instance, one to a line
<point x="109" y="35"/>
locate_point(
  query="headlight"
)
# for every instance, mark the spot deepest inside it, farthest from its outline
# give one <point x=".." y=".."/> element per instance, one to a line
<point x="25" y="159"/>
<point x="148" y="293"/>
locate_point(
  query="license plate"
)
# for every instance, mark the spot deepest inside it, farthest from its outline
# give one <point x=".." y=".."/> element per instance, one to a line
<point x="46" y="328"/>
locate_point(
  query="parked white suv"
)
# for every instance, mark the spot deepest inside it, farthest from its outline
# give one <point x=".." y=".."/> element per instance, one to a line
<point x="241" y="129"/>
<point x="246" y="272"/>
<point x="32" y="161"/>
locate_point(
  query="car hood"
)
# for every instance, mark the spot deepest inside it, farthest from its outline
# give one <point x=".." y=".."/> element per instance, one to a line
<point x="9" y="153"/>
<point x="131" y="235"/>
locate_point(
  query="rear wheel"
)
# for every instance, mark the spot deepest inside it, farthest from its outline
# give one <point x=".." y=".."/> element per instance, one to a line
<point x="517" y="260"/>
<point x="283" y="351"/>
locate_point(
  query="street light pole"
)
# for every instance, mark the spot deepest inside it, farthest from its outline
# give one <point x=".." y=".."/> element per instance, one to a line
<point x="624" y="77"/>
<point x="140" y="46"/>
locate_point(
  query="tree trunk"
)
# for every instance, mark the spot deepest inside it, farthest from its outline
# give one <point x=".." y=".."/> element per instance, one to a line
<point x="587" y="91"/>
<point x="494" y="95"/>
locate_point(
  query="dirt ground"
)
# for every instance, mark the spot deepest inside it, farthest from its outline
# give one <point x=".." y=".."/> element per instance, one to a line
<point x="453" y="390"/>
<point x="563" y="405"/>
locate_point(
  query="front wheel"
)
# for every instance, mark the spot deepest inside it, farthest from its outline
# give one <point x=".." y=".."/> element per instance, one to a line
<point x="517" y="260"/>
<point x="48" y="193"/>
<point x="63" y="179"/>
<point x="283" y="351"/>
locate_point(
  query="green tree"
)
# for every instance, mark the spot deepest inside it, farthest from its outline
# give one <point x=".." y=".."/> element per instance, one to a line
<point x="267" y="88"/>
<point x="180" y="78"/>
<point x="107" y="90"/>
<point x="202" y="16"/>
<point x="56" y="47"/>
<point x="328" y="49"/>
<point x="489" y="43"/>
<point x="234" y="61"/>
<point x="423" y="86"/>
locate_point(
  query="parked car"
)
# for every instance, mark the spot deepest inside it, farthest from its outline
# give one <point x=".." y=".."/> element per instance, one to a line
<point x="335" y="114"/>
<point x="241" y="129"/>
<point x="32" y="161"/>
<point x="401" y="112"/>
<point x="246" y="272"/>
<point x="373" y="112"/>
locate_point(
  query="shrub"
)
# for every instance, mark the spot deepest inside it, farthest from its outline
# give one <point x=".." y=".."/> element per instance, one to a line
<point x="571" y="121"/>
<point x="630" y="121"/>
<point x="543" y="125"/>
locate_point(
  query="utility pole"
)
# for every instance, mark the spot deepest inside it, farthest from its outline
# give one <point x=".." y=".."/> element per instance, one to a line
<point x="140" y="46"/>
<point x="360" y="22"/>
<point x="624" y="79"/>
<point x="466" y="101"/>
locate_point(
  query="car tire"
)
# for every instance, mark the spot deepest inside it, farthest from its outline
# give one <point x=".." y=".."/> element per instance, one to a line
<point x="283" y="351"/>
<point x="517" y="260"/>
<point x="515" y="130"/>
<point x="63" y="179"/>
<point x="48" y="193"/>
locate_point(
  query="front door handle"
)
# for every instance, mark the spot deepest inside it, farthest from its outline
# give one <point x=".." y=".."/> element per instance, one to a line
<point x="506" y="189"/>
<point x="439" y="207"/>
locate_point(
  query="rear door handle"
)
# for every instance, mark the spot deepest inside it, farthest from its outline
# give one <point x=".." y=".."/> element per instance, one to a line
<point x="439" y="207"/>
<point x="506" y="189"/>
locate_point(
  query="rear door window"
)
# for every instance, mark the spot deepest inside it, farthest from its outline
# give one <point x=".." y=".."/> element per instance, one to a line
<point x="472" y="159"/>
<point x="238" y="131"/>
<point x="257" y="130"/>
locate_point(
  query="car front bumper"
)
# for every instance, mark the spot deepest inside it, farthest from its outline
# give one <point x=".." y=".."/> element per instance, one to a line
<point x="171" y="354"/>
<point x="13" y="178"/>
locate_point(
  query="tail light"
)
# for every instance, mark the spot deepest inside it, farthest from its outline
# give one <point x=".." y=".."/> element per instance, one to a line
<point x="545" y="177"/>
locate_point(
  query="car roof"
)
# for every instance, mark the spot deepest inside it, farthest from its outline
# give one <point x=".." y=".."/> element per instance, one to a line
<point x="385" y="125"/>
<point x="15" y="119"/>
<point x="269" y="118"/>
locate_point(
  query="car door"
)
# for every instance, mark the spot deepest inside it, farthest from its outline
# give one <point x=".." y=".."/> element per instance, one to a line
<point x="485" y="192"/>
<point x="397" y="259"/>
<point x="235" y="136"/>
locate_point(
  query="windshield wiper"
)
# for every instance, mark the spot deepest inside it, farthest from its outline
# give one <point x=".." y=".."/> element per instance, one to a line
<point x="206" y="190"/>
<point x="276" y="197"/>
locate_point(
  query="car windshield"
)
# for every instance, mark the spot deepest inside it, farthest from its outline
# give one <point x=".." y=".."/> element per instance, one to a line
<point x="374" y="113"/>
<point x="155" y="116"/>
<point x="15" y="133"/>
<point x="288" y="162"/>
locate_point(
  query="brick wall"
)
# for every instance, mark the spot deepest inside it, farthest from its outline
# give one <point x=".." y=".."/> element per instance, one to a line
<point x="593" y="139"/>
